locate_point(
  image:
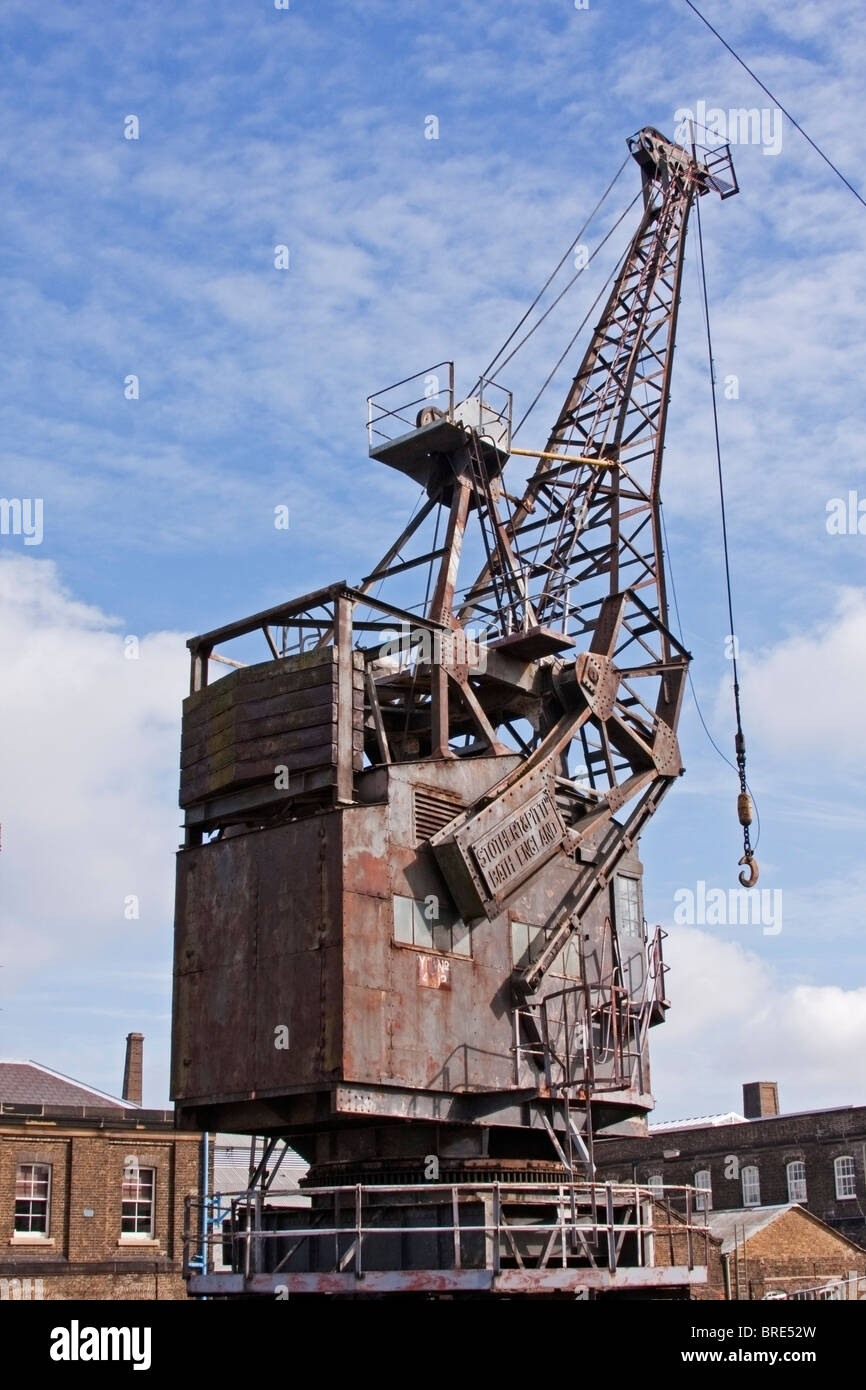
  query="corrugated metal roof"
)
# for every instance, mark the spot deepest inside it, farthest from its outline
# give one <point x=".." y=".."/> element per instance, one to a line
<point x="234" y="1177"/>
<point x="231" y="1170"/>
<point x="700" y="1121"/>
<point x="30" y="1083"/>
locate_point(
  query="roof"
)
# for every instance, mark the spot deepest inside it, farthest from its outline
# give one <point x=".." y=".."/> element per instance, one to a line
<point x="733" y="1118"/>
<point x="735" y="1227"/>
<point x="231" y="1168"/>
<point x="30" y="1083"/>
<point x="738" y="1226"/>
<point x="700" y="1122"/>
<point x="235" y="1177"/>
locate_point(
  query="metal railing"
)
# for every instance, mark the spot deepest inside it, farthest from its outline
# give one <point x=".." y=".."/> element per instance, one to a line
<point x="834" y="1290"/>
<point x="592" y="1034"/>
<point x="399" y="409"/>
<point x="488" y="411"/>
<point x="485" y="1225"/>
<point x="394" y="410"/>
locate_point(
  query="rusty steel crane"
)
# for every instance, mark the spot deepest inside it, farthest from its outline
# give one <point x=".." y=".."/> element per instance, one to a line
<point x="409" y="933"/>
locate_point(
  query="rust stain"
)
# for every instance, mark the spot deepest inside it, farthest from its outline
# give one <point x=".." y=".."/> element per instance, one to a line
<point x="434" y="972"/>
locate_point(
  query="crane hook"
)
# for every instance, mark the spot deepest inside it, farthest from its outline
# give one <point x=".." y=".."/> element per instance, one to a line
<point x="745" y="811"/>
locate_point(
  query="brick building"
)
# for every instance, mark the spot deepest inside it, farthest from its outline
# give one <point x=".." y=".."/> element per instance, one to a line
<point x="816" y="1159"/>
<point x="771" y="1252"/>
<point x="92" y="1188"/>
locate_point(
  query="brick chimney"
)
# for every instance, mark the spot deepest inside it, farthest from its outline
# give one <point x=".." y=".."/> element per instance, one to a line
<point x="132" y="1068"/>
<point x="760" y="1099"/>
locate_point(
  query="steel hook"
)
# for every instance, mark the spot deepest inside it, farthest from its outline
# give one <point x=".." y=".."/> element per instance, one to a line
<point x="749" y="876"/>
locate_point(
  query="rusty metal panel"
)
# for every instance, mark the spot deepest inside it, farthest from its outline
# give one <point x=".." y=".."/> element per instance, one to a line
<point x="213" y="1005"/>
<point x="457" y="1038"/>
<point x="366" y="1053"/>
<point x="258" y="938"/>
<point x="291" y="930"/>
<point x="307" y="1053"/>
<point x="212" y="990"/>
<point x="299" y="883"/>
<point x="298" y="954"/>
<point x="366" y="849"/>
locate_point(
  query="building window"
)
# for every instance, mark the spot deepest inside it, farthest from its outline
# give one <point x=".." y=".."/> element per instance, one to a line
<point x="655" y="1182"/>
<point x="627" y="906"/>
<point x="432" y="925"/>
<point x="751" y="1187"/>
<point x="527" y="944"/>
<point x="32" y="1199"/>
<point x="704" y="1194"/>
<point x="796" y="1181"/>
<point x="136" y="1211"/>
<point x="846" y="1178"/>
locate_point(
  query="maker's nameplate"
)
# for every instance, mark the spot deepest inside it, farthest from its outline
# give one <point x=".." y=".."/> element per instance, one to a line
<point x="505" y="854"/>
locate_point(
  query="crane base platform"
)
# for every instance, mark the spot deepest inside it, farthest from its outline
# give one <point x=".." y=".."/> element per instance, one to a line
<point x="528" y="1235"/>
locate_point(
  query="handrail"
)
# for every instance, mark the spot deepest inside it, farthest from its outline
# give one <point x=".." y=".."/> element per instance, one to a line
<point x="583" y="1216"/>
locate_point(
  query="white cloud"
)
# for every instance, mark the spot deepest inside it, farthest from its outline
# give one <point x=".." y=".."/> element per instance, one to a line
<point x="810" y="686"/>
<point x="733" y="1020"/>
<point x="89" y="747"/>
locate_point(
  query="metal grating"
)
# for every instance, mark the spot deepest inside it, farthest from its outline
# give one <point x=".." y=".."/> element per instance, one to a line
<point x="433" y="811"/>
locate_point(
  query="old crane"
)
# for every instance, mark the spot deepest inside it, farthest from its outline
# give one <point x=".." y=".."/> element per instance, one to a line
<point x="409" y="936"/>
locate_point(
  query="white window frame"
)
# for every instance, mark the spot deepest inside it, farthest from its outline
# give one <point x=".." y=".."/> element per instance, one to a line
<point x="134" y="1183"/>
<point x="750" y="1178"/>
<point x="797" y="1187"/>
<point x="704" y="1194"/>
<point x="30" y="1232"/>
<point x="628" y="924"/>
<point x="845" y="1180"/>
<point x="656" y="1182"/>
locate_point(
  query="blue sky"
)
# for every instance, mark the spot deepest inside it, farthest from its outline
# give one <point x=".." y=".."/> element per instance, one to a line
<point x="155" y="257"/>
